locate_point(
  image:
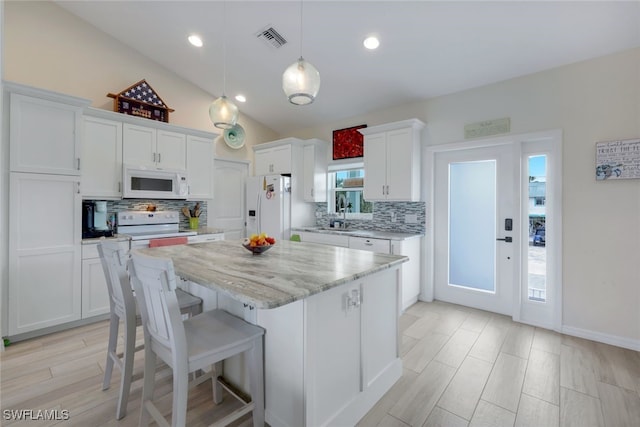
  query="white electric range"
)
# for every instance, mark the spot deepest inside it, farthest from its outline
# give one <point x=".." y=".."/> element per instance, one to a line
<point x="143" y="226"/>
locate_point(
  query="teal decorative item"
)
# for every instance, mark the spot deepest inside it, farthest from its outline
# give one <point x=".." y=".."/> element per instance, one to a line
<point x="234" y="137"/>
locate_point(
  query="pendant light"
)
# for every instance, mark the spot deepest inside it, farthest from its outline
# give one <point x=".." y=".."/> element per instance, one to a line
<point x="222" y="112"/>
<point x="301" y="80"/>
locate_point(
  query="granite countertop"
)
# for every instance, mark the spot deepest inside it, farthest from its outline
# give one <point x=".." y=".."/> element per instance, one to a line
<point x="287" y="272"/>
<point x="372" y="234"/>
<point x="116" y="237"/>
<point x="205" y="230"/>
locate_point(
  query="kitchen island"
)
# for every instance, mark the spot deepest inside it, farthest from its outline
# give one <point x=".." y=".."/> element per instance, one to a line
<point x="331" y="320"/>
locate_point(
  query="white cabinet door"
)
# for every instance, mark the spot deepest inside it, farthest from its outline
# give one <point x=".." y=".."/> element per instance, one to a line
<point x="95" y="295"/>
<point x="281" y="159"/>
<point x="375" y="167"/>
<point x="102" y="158"/>
<point x="171" y="150"/>
<point x="139" y="145"/>
<point x="275" y="160"/>
<point x="200" y="167"/>
<point x="44" y="251"/>
<point x="314" y="173"/>
<point x="333" y="353"/>
<point x="399" y="164"/>
<point x="410" y="270"/>
<point x="44" y="136"/>
<point x="262" y="162"/>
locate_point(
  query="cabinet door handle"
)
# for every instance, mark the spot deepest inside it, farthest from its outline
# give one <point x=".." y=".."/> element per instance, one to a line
<point x="78" y="187"/>
<point x="312" y="192"/>
<point x="159" y="157"/>
<point x="119" y="186"/>
<point x="154" y="157"/>
<point x="387" y="190"/>
<point x="78" y="163"/>
<point x="383" y="190"/>
<point x="368" y="244"/>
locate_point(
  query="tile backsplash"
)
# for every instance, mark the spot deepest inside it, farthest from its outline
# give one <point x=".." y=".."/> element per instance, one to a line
<point x="114" y="206"/>
<point x="382" y="217"/>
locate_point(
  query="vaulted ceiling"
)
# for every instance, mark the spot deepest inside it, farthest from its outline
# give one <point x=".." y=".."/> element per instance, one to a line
<point x="427" y="48"/>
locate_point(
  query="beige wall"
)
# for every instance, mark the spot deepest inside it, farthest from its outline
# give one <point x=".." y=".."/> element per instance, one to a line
<point x="47" y="47"/>
<point x="596" y="100"/>
<point x="590" y="101"/>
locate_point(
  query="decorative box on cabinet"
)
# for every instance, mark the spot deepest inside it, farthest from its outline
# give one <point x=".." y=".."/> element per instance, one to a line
<point x="44" y="130"/>
<point x="156" y="148"/>
<point x="392" y="161"/>
<point x="102" y="158"/>
<point x="315" y="170"/>
<point x="44" y="253"/>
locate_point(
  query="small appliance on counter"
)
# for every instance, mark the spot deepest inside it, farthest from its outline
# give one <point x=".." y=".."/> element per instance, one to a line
<point x="94" y="220"/>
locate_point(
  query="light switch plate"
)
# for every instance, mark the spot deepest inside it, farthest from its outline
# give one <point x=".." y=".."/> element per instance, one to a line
<point x="411" y="219"/>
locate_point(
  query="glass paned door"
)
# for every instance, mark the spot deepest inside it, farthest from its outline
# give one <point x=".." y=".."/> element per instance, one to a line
<point x="472" y="224"/>
<point x="474" y="242"/>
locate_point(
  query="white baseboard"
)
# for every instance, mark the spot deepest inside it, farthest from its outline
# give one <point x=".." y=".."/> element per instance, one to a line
<point x="629" y="343"/>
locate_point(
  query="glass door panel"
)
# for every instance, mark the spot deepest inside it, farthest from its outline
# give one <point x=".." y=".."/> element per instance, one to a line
<point x="537" y="248"/>
<point x="472" y="225"/>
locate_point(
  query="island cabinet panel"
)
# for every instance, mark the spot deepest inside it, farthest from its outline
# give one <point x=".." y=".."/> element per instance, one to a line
<point x="333" y="343"/>
<point x="331" y="356"/>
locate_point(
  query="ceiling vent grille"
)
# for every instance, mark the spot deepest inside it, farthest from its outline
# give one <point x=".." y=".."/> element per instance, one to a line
<point x="273" y="38"/>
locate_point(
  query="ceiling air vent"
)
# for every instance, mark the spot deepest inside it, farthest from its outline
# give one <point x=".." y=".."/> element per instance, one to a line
<point x="270" y="36"/>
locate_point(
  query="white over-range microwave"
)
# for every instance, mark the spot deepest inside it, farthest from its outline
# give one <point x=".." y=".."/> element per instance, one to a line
<point x="144" y="183"/>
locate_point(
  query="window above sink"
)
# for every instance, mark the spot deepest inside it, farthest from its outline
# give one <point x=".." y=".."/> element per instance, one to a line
<point x="346" y="192"/>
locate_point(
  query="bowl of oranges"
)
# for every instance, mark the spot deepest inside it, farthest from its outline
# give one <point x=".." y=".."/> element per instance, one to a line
<point x="258" y="243"/>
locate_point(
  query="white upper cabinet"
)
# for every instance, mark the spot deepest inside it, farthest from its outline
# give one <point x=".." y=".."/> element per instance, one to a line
<point x="200" y="167"/>
<point x="314" y="171"/>
<point x="273" y="160"/>
<point x="44" y="131"/>
<point x="102" y="158"/>
<point x="392" y="161"/>
<point x="154" y="148"/>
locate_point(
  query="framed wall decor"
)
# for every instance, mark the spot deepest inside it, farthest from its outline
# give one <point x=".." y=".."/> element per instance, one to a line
<point x="618" y="159"/>
<point x="141" y="100"/>
<point x="348" y="143"/>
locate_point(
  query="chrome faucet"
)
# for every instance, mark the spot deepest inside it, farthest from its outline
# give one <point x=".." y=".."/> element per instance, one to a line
<point x="342" y="204"/>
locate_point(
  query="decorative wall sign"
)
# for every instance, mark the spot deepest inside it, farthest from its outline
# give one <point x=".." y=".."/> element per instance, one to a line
<point x="618" y="159"/>
<point x="141" y="100"/>
<point x="348" y="143"/>
<point x="487" y="128"/>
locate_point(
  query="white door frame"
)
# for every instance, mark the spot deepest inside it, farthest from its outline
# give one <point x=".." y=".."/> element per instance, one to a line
<point x="554" y="147"/>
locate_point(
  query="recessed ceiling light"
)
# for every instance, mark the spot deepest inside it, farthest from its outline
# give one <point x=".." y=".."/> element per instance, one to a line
<point x="371" y="43"/>
<point x="241" y="98"/>
<point x="195" y="40"/>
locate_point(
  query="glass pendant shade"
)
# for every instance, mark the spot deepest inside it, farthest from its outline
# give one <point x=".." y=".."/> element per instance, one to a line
<point x="223" y="113"/>
<point x="301" y="82"/>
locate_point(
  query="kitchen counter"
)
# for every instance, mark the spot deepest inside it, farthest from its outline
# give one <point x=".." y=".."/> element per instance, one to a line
<point x="373" y="234"/>
<point x="287" y="272"/>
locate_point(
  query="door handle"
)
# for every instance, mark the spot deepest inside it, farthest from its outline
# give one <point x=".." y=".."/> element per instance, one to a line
<point x="506" y="239"/>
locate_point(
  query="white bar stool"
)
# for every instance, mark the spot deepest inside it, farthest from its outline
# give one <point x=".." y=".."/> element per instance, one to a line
<point x="190" y="345"/>
<point x="123" y="307"/>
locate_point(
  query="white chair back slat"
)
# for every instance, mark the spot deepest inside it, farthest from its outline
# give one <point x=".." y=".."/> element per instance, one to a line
<point x="113" y="259"/>
<point x="154" y="280"/>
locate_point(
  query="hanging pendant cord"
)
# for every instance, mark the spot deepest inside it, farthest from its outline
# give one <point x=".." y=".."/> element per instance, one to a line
<point x="301" y="2"/>
<point x="224" y="48"/>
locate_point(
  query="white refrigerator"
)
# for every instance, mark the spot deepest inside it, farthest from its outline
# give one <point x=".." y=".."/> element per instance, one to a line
<point x="269" y="206"/>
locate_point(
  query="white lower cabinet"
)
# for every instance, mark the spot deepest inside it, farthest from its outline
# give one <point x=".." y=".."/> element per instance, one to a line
<point x="95" y="295"/>
<point x="330" y="357"/>
<point x="372" y="245"/>
<point x="44" y="251"/>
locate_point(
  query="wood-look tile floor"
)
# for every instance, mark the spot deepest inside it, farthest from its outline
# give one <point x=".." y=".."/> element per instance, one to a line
<point x="462" y="367"/>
